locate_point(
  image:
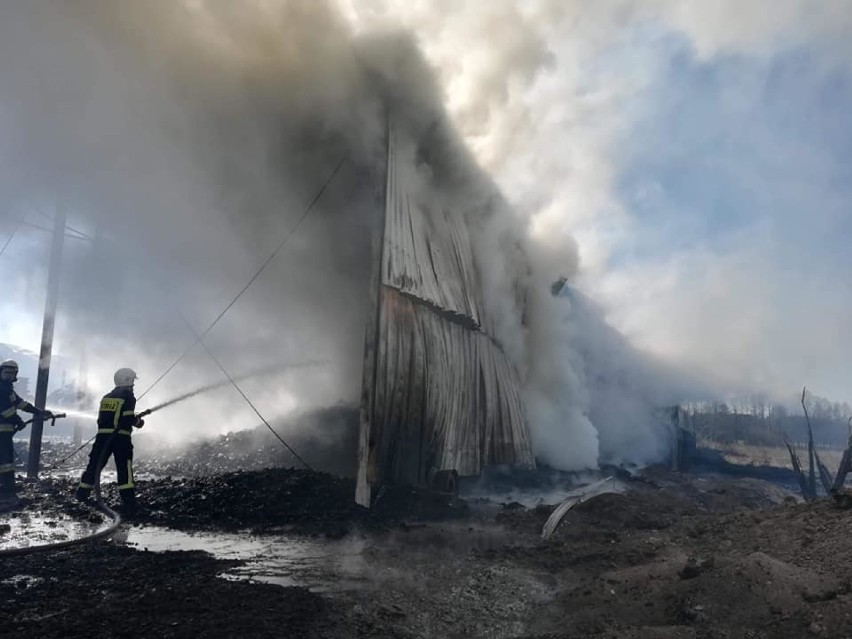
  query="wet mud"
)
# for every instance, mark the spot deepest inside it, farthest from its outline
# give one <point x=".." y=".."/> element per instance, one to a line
<point x="110" y="590"/>
<point x="285" y="552"/>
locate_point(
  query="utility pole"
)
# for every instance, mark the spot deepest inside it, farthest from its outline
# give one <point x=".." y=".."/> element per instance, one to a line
<point x="82" y="395"/>
<point x="53" y="275"/>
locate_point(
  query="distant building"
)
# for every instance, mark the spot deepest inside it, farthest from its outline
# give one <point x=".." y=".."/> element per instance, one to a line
<point x="682" y="442"/>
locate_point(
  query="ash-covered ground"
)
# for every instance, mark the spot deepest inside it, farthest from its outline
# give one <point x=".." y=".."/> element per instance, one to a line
<point x="326" y="439"/>
<point x="672" y="555"/>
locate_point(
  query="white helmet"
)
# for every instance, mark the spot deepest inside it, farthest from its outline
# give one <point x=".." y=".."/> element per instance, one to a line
<point x="124" y="377"/>
<point x="12" y="365"/>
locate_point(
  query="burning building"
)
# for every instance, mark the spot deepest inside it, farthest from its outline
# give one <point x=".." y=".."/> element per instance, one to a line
<point x="441" y="398"/>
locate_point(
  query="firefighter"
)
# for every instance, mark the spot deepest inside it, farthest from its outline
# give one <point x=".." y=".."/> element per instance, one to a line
<point x="116" y="421"/>
<point x="10" y="423"/>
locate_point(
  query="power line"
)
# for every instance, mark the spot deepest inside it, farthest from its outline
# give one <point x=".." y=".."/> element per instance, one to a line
<point x="199" y="337"/>
<point x="70" y="228"/>
<point x="263" y="266"/>
<point x="254" y="408"/>
<point x="244" y="396"/>
<point x="9" y="239"/>
<point x="65" y="459"/>
<point x="81" y="236"/>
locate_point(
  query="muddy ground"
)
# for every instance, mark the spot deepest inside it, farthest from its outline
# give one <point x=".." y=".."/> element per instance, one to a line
<point x="699" y="555"/>
<point x="107" y="590"/>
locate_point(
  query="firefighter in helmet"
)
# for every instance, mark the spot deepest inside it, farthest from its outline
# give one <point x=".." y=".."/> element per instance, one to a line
<point x="116" y="421"/>
<point x="10" y="423"/>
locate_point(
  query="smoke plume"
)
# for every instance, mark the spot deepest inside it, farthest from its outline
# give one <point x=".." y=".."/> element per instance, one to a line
<point x="186" y="139"/>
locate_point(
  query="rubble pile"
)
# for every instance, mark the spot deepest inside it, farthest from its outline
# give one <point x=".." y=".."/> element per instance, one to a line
<point x="271" y="500"/>
<point x="305" y="500"/>
<point x="324" y="438"/>
<point x="52" y="453"/>
<point x="267" y="501"/>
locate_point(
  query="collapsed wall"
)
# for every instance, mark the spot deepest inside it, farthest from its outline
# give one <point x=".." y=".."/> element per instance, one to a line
<point x="439" y="392"/>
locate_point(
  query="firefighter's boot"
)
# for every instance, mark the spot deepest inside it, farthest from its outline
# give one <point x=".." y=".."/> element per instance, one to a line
<point x="8" y="496"/>
<point x="129" y="507"/>
<point x="83" y="493"/>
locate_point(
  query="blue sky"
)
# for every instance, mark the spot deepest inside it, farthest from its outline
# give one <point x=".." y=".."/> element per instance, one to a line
<point x="706" y="163"/>
<point x="742" y="161"/>
<point x="693" y="159"/>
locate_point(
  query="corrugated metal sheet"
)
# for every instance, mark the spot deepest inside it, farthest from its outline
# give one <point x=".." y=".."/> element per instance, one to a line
<point x="427" y="255"/>
<point x="439" y="392"/>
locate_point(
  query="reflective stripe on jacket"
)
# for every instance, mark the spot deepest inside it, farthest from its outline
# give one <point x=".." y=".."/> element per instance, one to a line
<point x="10" y="403"/>
<point x="117" y="413"/>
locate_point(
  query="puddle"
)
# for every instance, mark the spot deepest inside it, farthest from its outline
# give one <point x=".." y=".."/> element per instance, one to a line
<point x="23" y="529"/>
<point x="320" y="566"/>
<point x="108" y="474"/>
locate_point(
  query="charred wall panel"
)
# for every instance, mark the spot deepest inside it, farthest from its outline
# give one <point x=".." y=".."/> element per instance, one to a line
<point x="441" y="394"/>
<point x="446" y="397"/>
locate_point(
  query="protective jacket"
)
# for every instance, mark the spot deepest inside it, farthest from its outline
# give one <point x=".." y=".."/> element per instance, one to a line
<point x="10" y="421"/>
<point x="117" y="412"/>
<point x="116" y="419"/>
<point x="10" y="404"/>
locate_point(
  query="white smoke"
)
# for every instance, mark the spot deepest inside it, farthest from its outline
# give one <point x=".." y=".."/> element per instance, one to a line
<point x="545" y="93"/>
<point x="192" y="154"/>
<point x="172" y="125"/>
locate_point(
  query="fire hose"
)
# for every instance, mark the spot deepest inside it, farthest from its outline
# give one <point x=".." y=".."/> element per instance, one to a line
<point x="98" y="501"/>
<point x="191" y="394"/>
<point x="231" y="380"/>
<point x="106" y="532"/>
<point x="100" y="505"/>
<point x="52" y="419"/>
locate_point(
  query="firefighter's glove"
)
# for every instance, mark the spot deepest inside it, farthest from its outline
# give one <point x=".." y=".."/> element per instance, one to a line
<point x="19" y="423"/>
<point x="139" y="423"/>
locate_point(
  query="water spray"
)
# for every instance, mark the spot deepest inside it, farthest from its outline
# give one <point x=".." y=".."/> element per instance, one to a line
<point x="183" y="397"/>
<point x="77" y="414"/>
<point x="209" y="387"/>
<point x="52" y="419"/>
